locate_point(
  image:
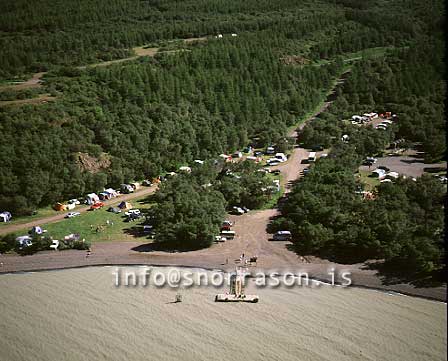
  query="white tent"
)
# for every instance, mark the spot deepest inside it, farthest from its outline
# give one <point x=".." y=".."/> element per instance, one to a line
<point x="92" y="198"/>
<point x="5" y="216"/>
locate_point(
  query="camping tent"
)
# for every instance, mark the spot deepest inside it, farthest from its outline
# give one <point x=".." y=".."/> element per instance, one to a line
<point x="104" y="196"/>
<point x="125" y="205"/>
<point x="5" y="216"/>
<point x="37" y="230"/>
<point x="92" y="198"/>
<point x="60" y="207"/>
<point x="111" y="192"/>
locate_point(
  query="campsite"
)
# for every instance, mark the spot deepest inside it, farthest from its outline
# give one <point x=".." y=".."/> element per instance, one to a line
<point x="302" y="142"/>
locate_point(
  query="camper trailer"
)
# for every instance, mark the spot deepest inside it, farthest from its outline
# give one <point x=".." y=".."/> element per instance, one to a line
<point x="312" y="157"/>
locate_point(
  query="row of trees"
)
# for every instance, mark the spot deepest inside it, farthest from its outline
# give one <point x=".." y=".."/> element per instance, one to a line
<point x="39" y="242"/>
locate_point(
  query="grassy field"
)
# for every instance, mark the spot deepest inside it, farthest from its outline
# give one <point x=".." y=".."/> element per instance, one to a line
<point x="272" y="202"/>
<point x="101" y="226"/>
<point x="41" y="213"/>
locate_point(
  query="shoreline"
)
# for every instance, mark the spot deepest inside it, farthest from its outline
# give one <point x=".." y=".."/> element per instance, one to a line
<point x="385" y="289"/>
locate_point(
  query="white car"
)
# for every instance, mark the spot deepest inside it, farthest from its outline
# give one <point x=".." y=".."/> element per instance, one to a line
<point x="237" y="210"/>
<point x="272" y="162"/>
<point x="282" y="236"/>
<point x="74" y="201"/>
<point x="72" y="214"/>
<point x="133" y="211"/>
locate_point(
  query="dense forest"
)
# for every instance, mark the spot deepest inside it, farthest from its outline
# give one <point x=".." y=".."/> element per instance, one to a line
<point x="404" y="222"/>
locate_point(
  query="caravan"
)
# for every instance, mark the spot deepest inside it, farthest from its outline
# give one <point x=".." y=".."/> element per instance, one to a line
<point x="312" y="157"/>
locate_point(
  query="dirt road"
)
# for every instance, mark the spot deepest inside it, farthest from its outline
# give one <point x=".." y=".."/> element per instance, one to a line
<point x="60" y="215"/>
<point x="34" y="82"/>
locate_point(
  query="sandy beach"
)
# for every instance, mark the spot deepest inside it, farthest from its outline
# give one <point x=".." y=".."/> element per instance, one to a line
<point x="79" y="314"/>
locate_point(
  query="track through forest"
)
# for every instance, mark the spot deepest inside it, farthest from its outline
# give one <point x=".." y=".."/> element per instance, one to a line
<point x="36" y="80"/>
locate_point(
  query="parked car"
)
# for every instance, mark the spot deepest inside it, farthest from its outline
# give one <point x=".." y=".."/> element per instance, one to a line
<point x="133" y="211"/>
<point x="258" y="153"/>
<point x="282" y="236"/>
<point x="24" y="241"/>
<point x="370" y="161"/>
<point x="133" y="216"/>
<point x="74" y="201"/>
<point x="237" y="210"/>
<point x="96" y="205"/>
<point x="147" y="183"/>
<point x="72" y="214"/>
<point x="245" y="209"/>
<point x="220" y="239"/>
<point x="114" y="210"/>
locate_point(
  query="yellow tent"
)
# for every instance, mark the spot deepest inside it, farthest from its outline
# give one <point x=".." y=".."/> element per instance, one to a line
<point x="60" y="207"/>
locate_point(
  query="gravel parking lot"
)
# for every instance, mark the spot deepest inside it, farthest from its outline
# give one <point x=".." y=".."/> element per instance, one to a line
<point x="410" y="165"/>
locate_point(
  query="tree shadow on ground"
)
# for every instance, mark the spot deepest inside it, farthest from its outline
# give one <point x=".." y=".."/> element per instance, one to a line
<point x="150" y="199"/>
<point x="395" y="273"/>
<point x="412" y="161"/>
<point x="136" y="231"/>
<point x="163" y="247"/>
